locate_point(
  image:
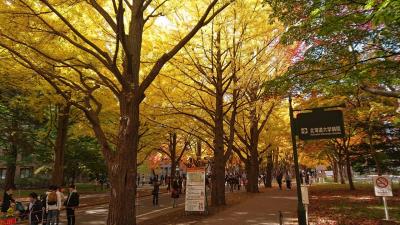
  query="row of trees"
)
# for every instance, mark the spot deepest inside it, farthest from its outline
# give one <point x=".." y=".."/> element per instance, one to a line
<point x="203" y="77"/>
<point x="101" y="57"/>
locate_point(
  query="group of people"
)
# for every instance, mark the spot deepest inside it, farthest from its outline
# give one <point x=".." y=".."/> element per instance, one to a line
<point x="45" y="209"/>
<point x="305" y="177"/>
<point x="234" y="181"/>
<point x="288" y="179"/>
<point x="176" y="186"/>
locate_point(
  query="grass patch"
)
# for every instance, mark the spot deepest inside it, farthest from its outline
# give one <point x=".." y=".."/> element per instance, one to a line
<point x="84" y="188"/>
<point x="336" y="202"/>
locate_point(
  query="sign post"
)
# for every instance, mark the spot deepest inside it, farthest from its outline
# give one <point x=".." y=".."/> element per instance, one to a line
<point x="195" y="199"/>
<point x="306" y="201"/>
<point x="318" y="124"/>
<point x="383" y="188"/>
<point x="301" y="214"/>
<point x="386" y="209"/>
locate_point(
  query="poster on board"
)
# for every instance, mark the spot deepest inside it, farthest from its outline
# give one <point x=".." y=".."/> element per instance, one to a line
<point x="195" y="198"/>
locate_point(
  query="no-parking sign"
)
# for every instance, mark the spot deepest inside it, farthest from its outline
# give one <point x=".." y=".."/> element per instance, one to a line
<point x="383" y="186"/>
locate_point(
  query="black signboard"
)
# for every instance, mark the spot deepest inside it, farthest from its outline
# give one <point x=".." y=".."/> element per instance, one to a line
<point x="320" y="125"/>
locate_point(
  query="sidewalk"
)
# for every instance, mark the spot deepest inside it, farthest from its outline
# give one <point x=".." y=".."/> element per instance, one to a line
<point x="92" y="199"/>
<point x="262" y="209"/>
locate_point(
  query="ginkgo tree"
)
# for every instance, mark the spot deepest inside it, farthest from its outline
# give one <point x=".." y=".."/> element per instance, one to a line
<point x="34" y="102"/>
<point x="20" y="120"/>
<point x="209" y="71"/>
<point x="94" y="50"/>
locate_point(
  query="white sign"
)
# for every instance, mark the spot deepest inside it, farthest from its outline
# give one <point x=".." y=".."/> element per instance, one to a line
<point x="195" y="190"/>
<point x="329" y="173"/>
<point x="383" y="186"/>
<point x="304" y="195"/>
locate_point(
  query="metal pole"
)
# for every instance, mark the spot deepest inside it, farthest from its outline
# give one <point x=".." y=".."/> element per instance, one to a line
<point x="280" y="218"/>
<point x="301" y="214"/>
<point x="306" y="208"/>
<point x="386" y="209"/>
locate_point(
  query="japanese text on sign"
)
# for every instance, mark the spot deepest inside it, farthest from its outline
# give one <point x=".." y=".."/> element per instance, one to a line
<point x="320" y="125"/>
<point x="195" y="190"/>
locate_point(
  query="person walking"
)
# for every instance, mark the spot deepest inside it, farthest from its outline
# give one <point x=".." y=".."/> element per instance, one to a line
<point x="180" y="183"/>
<point x="60" y="192"/>
<point x="43" y="198"/>
<point x="7" y="200"/>
<point x="71" y="204"/>
<point x="53" y="206"/>
<point x="239" y="181"/>
<point x="175" y="192"/>
<point x="231" y="183"/>
<point x="167" y="183"/>
<point x="184" y="184"/>
<point x="288" y="180"/>
<point x="279" y="179"/>
<point x="155" y="192"/>
<point x="35" y="209"/>
<point x="162" y="179"/>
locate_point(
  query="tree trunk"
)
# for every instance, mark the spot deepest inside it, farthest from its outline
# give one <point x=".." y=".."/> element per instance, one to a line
<point x="11" y="167"/>
<point x="373" y="151"/>
<point x="73" y="177"/>
<point x="122" y="167"/>
<point x="335" y="171"/>
<point x="340" y="165"/>
<point x="348" y="169"/>
<point x="218" y="176"/>
<point x="57" y="177"/>
<point x="123" y="192"/>
<point x="198" y="150"/>
<point x="11" y="156"/>
<point x="218" y="181"/>
<point x="252" y="168"/>
<point x="270" y="167"/>
<point x="218" y="169"/>
<point x="276" y="159"/>
<point x="172" y="150"/>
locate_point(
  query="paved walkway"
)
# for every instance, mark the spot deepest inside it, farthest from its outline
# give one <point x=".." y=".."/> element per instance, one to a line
<point x="262" y="209"/>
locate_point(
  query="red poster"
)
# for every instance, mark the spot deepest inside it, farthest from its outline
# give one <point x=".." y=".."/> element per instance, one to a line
<point x="8" y="221"/>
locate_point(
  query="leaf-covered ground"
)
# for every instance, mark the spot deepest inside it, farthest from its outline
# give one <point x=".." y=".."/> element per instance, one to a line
<point x="179" y="217"/>
<point x="334" y="204"/>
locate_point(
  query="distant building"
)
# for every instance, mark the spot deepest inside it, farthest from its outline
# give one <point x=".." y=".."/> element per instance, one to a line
<point x="23" y="170"/>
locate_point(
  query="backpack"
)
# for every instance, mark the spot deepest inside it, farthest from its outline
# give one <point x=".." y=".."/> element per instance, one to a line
<point x="52" y="198"/>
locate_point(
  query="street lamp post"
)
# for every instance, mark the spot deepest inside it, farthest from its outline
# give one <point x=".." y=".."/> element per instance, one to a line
<point x="301" y="213"/>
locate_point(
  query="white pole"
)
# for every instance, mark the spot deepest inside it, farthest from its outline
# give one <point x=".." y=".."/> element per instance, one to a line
<point x="306" y="208"/>
<point x="386" y="209"/>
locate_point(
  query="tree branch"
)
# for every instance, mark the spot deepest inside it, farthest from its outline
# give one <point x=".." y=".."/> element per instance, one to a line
<point x="167" y="56"/>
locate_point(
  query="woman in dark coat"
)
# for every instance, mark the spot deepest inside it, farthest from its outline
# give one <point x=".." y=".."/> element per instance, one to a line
<point x="175" y="192"/>
<point x="35" y="209"/>
<point x="155" y="192"/>
<point x="7" y="199"/>
<point x="279" y="179"/>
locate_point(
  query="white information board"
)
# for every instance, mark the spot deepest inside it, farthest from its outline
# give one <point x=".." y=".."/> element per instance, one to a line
<point x="195" y="198"/>
<point x="383" y="186"/>
<point x="304" y="195"/>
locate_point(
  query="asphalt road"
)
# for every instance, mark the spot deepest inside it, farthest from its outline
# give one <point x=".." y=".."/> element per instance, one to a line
<point x="97" y="215"/>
